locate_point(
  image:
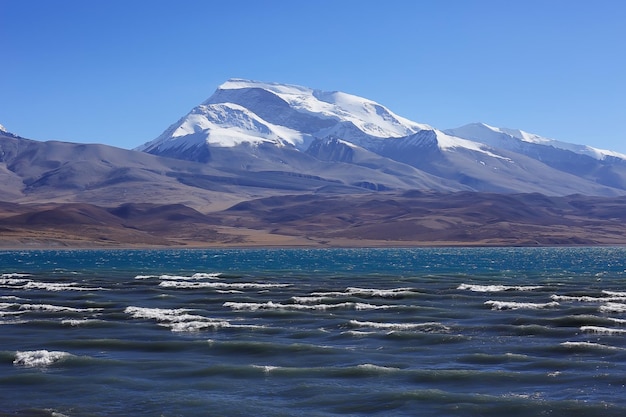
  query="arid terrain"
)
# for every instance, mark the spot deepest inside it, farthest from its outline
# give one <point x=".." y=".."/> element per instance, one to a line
<point x="380" y="219"/>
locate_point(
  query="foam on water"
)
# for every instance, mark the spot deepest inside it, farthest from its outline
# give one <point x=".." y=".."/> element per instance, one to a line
<point x="588" y="346"/>
<point x="178" y="320"/>
<point x="586" y="298"/>
<point x="512" y="305"/>
<point x="602" y="330"/>
<point x="14" y="275"/>
<point x="28" y="284"/>
<point x="498" y="288"/>
<point x="428" y="326"/>
<point x="39" y="358"/>
<point x="613" y="308"/>
<point x="270" y="305"/>
<point x="55" y="308"/>
<point x="219" y="285"/>
<point x="196" y="276"/>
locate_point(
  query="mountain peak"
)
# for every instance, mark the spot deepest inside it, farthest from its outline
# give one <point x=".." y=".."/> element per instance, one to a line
<point x="514" y="138"/>
<point x="253" y="112"/>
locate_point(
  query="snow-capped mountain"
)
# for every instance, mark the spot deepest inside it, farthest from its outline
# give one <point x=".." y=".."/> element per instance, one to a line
<point x="515" y="139"/>
<point x="249" y="112"/>
<point x="260" y="127"/>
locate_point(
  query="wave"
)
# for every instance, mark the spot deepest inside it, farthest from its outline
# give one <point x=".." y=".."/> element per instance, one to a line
<point x="27" y="284"/>
<point x="512" y="305"/>
<point x="389" y="293"/>
<point x="497" y="288"/>
<point x="179" y="320"/>
<point x="270" y="305"/>
<point x="196" y="276"/>
<point x="39" y="358"/>
<point x="219" y="285"/>
<point x="614" y="293"/>
<point x="613" y="308"/>
<point x="14" y="275"/>
<point x="11" y="282"/>
<point x="81" y="322"/>
<point x="55" y="308"/>
<point x="602" y="330"/>
<point x="427" y="327"/>
<point x="366" y="292"/>
<point x="588" y="346"/>
<point x="587" y="298"/>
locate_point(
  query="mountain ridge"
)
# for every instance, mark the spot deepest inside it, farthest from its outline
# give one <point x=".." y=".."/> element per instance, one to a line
<point x="244" y="114"/>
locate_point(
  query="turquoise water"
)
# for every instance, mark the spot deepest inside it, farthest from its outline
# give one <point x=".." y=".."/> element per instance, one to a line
<point x="428" y="332"/>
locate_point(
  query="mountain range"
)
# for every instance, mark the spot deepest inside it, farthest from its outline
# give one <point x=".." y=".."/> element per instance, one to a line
<point x="266" y="146"/>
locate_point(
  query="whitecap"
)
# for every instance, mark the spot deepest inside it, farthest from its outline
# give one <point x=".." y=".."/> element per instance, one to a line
<point x="614" y="293"/>
<point x="602" y="330"/>
<point x="588" y="345"/>
<point x="428" y="326"/>
<point x="179" y="320"/>
<point x="378" y="368"/>
<point x="373" y="292"/>
<point x="586" y="298"/>
<point x="79" y="322"/>
<point x="146" y="276"/>
<point x="613" y="308"/>
<point x="38" y="358"/>
<point x="511" y="305"/>
<point x="270" y="305"/>
<point x="267" y="369"/>
<point x="14" y="275"/>
<point x="219" y="285"/>
<point x="196" y="276"/>
<point x="11" y="282"/>
<point x="497" y="288"/>
<point x="57" y="286"/>
<point x="55" y="308"/>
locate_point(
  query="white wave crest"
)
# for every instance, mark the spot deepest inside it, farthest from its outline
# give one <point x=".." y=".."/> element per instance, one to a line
<point x="219" y="285"/>
<point x="79" y="322"/>
<point x="366" y="292"/>
<point x="373" y="292"/>
<point x="377" y="368"/>
<point x="309" y="299"/>
<point x="602" y="330"/>
<point x="428" y="326"/>
<point x="196" y="276"/>
<point x="14" y="275"/>
<point x="589" y="345"/>
<point x="614" y="293"/>
<point x="146" y="276"/>
<point x="511" y="305"/>
<point x="586" y="298"/>
<point x="58" y="286"/>
<point x="10" y="282"/>
<point x="613" y="308"/>
<point x="38" y="358"/>
<point x="55" y="308"/>
<point x="179" y="320"/>
<point x="270" y="305"/>
<point x="497" y="288"/>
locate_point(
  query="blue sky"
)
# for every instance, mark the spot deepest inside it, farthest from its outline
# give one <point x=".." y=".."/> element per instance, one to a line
<point x="120" y="72"/>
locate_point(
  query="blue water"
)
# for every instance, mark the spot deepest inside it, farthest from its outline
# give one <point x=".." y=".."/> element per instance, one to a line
<point x="427" y="332"/>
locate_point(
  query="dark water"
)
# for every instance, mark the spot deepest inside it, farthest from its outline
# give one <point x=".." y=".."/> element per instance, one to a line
<point x="428" y="332"/>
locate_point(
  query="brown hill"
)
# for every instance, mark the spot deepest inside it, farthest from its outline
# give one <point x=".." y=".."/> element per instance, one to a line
<point x="376" y="219"/>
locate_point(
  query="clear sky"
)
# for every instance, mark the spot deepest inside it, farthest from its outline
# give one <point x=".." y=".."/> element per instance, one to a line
<point x="121" y="71"/>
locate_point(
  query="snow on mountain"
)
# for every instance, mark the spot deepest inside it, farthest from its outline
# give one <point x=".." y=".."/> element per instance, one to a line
<point x="2" y="129"/>
<point x="367" y="115"/>
<point x="251" y="112"/>
<point x="223" y="125"/>
<point x="260" y="127"/>
<point x="510" y="138"/>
